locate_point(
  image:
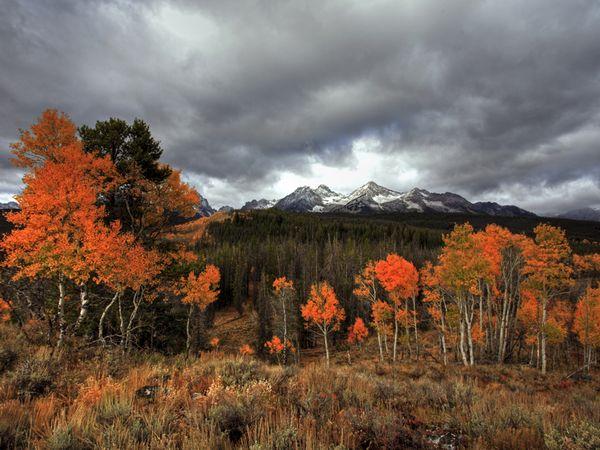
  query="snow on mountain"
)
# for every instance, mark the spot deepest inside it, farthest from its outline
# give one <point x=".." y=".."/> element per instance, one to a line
<point x="372" y="191"/>
<point x="263" y="203"/>
<point x="226" y="209"/>
<point x="307" y="199"/>
<point x="372" y="197"/>
<point x="328" y="197"/>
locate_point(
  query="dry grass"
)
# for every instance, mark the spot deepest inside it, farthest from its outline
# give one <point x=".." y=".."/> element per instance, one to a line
<point x="103" y="400"/>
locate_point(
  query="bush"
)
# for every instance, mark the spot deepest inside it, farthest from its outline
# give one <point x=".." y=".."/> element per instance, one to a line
<point x="63" y="438"/>
<point x="582" y="435"/>
<point x="14" y="426"/>
<point x="285" y="438"/>
<point x="34" y="378"/>
<point x="232" y="418"/>
<point x="8" y="358"/>
<point x="112" y="408"/>
<point x="240" y="372"/>
<point x="380" y="428"/>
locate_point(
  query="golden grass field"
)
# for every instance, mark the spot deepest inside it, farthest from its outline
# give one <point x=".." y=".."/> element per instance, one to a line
<point x="95" y="398"/>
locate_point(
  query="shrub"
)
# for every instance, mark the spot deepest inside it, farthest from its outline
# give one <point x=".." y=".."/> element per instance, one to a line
<point x="34" y="378"/>
<point x="582" y="435"/>
<point x="232" y="418"/>
<point x="8" y="358"/>
<point x="285" y="438"/>
<point x="63" y="438"/>
<point x="13" y="425"/>
<point x="240" y="372"/>
<point x="112" y="408"/>
<point x="380" y="428"/>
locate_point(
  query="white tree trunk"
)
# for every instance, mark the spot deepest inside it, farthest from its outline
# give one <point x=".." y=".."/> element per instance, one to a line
<point x="83" y="307"/>
<point x="103" y="317"/>
<point x="62" y="325"/>
<point x="326" y="347"/>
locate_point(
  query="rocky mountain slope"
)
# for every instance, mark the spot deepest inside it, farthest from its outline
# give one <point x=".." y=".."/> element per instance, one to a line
<point x="371" y="198"/>
<point x="582" y="214"/>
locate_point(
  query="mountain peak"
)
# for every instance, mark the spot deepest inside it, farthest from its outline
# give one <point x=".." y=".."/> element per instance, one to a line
<point x="370" y="185"/>
<point x="371" y="190"/>
<point x="374" y="198"/>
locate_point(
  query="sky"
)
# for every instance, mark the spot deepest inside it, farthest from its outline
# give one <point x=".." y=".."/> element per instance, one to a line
<point x="493" y="100"/>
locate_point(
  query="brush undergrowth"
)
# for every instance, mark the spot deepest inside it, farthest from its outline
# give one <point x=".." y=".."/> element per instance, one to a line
<point x="102" y="399"/>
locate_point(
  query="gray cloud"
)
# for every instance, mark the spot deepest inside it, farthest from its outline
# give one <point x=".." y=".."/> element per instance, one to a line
<point x="493" y="100"/>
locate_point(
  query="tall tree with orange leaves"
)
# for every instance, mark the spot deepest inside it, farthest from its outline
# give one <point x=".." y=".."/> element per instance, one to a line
<point x="433" y="296"/>
<point x="499" y="298"/>
<point x="45" y="140"/>
<point x="323" y="310"/>
<point x="400" y="279"/>
<point x="367" y="289"/>
<point x="587" y="323"/>
<point x="461" y="267"/>
<point x="284" y="313"/>
<point x="121" y="264"/>
<point x="198" y="291"/>
<point x="58" y="208"/>
<point x="548" y="274"/>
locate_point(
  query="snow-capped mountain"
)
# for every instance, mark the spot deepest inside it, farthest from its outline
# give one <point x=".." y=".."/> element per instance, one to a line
<point x="372" y="197"/>
<point x="263" y="203"/>
<point x="226" y="209"/>
<point x="9" y="205"/>
<point x="306" y="199"/>
<point x="582" y="214"/>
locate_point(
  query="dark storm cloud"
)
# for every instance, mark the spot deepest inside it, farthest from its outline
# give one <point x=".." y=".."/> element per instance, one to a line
<point x="482" y="98"/>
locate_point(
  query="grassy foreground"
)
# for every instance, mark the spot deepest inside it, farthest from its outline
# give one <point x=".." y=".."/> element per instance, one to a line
<point x="102" y="399"/>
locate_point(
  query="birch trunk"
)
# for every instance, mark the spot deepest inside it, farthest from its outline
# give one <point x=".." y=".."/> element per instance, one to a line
<point x="83" y="307"/>
<point x="103" y="317"/>
<point x="62" y="325"/>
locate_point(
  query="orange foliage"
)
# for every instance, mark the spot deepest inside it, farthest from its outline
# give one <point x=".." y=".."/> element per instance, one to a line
<point x="547" y="260"/>
<point x="357" y="332"/>
<point x="462" y="262"/>
<point x="587" y="263"/>
<point x="398" y="276"/>
<point x="119" y="261"/>
<point x="478" y="334"/>
<point x="200" y="290"/>
<point x="323" y="308"/>
<point x="159" y="201"/>
<point x="587" y="318"/>
<point x="246" y="350"/>
<point x="276" y="345"/>
<point x="45" y="140"/>
<point x="59" y="210"/>
<point x="366" y="283"/>
<point x="4" y="310"/>
<point x="282" y="283"/>
<point x="529" y="315"/>
<point x="382" y="314"/>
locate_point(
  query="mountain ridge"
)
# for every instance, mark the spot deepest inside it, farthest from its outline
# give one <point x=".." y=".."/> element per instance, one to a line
<point x="588" y="213"/>
<point x="372" y="198"/>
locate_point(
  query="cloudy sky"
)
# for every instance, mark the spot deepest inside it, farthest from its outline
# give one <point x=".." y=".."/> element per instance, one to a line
<point x="494" y="100"/>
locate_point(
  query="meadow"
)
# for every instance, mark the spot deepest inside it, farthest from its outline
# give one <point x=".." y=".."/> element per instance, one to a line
<point x="93" y="398"/>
